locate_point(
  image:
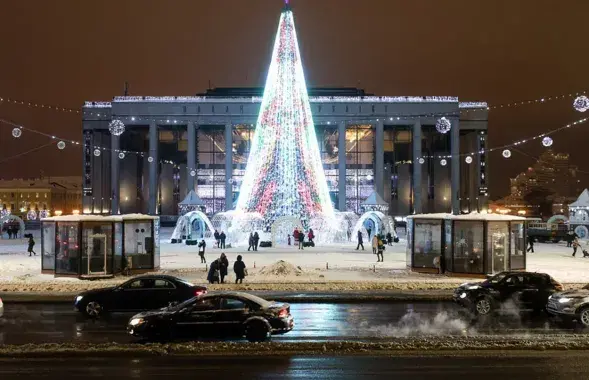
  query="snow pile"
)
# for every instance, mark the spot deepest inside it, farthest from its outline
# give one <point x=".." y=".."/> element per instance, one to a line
<point x="414" y="324"/>
<point x="281" y="268"/>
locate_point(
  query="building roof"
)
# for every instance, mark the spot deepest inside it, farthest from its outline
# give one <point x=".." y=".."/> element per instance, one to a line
<point x="98" y="218"/>
<point x="374" y="200"/>
<point x="582" y="201"/>
<point x="192" y="199"/>
<point x="240" y="92"/>
<point x="472" y="216"/>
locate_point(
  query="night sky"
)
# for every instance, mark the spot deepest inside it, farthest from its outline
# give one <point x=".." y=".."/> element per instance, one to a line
<point x="67" y="51"/>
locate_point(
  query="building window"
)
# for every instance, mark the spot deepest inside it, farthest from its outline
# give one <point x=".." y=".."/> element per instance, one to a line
<point x="360" y="165"/>
<point x="211" y="168"/>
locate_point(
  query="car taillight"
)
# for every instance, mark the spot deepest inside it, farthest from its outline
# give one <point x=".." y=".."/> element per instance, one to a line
<point x="200" y="292"/>
<point x="283" y="313"/>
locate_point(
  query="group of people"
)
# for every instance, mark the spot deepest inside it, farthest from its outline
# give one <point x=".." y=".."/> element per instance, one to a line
<point x="218" y="270"/>
<point x="11" y="230"/>
<point x="220" y="239"/>
<point x="299" y="237"/>
<point x="253" y="241"/>
<point x="378" y="243"/>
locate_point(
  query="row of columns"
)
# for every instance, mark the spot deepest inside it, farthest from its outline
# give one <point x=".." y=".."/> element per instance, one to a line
<point x="342" y="126"/>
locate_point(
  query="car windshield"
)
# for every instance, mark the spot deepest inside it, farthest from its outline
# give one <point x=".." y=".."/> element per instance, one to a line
<point x="496" y="278"/>
<point x="184" y="304"/>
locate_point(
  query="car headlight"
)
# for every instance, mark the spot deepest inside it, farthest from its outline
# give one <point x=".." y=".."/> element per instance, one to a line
<point x="472" y="287"/>
<point x="463" y="295"/>
<point x="136" y="321"/>
<point x="564" y="300"/>
<point x="549" y="297"/>
<point x="79" y="298"/>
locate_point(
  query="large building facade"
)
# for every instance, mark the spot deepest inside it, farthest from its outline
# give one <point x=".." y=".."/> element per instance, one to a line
<point x="172" y="145"/>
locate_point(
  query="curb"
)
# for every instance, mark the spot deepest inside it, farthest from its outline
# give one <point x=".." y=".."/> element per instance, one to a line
<point x="289" y="297"/>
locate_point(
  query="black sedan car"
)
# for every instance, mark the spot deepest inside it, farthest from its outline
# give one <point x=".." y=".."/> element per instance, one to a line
<point x="140" y="293"/>
<point x="222" y="314"/>
<point x="527" y="291"/>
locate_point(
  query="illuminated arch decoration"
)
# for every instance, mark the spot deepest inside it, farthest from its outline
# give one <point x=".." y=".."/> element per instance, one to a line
<point x="10" y="217"/>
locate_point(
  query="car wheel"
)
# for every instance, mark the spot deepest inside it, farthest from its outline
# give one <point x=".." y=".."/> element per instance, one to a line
<point x="93" y="309"/>
<point x="482" y="306"/>
<point x="584" y="317"/>
<point x="257" y="331"/>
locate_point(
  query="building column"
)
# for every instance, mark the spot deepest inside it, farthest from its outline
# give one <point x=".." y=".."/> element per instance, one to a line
<point x="341" y="157"/>
<point x="190" y="157"/>
<point x="417" y="168"/>
<point x="455" y="164"/>
<point x="228" y="166"/>
<point x="153" y="168"/>
<point x="115" y="187"/>
<point x="379" y="158"/>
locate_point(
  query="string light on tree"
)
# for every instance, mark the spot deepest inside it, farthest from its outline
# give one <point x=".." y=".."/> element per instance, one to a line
<point x="97" y="152"/>
<point x="61" y="145"/>
<point x="284" y="173"/>
<point x="116" y="127"/>
<point x="443" y="125"/>
<point x="468" y="159"/>
<point x="16" y="132"/>
<point x="581" y="103"/>
<point x="506" y="153"/>
<point x="547" y="141"/>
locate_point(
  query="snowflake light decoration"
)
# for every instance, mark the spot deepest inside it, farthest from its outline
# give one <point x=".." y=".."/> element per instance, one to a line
<point x="121" y="155"/>
<point x="16" y="132"/>
<point x="97" y="152"/>
<point x="192" y="173"/>
<point x="581" y="103"/>
<point x="547" y="141"/>
<point x="150" y="159"/>
<point x="443" y="162"/>
<point x="421" y="160"/>
<point x="468" y="159"/>
<point x="116" y="127"/>
<point x="506" y="153"/>
<point x="443" y="125"/>
<point x="61" y="145"/>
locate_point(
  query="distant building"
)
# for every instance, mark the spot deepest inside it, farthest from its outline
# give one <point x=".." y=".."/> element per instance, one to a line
<point x="61" y="194"/>
<point x="554" y="173"/>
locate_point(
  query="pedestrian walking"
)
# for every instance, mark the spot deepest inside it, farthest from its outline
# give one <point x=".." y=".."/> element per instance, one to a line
<point x="217" y="240"/>
<point x="575" y="246"/>
<point x="239" y="269"/>
<point x="31" y="245"/>
<point x="214" y="272"/>
<point x="250" y="242"/>
<point x="531" y="244"/>
<point x="368" y="230"/>
<point x="374" y="244"/>
<point x="301" y="240"/>
<point x="569" y="238"/>
<point x="295" y="234"/>
<point x="222" y="238"/>
<point x="389" y="238"/>
<point x="289" y="240"/>
<point x="256" y="240"/>
<point x="311" y="235"/>
<point x="380" y="250"/>
<point x="201" y="251"/>
<point x="360" y="241"/>
<point x="224" y="264"/>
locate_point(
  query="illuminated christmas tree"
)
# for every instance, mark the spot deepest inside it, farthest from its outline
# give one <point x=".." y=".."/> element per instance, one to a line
<point x="284" y="174"/>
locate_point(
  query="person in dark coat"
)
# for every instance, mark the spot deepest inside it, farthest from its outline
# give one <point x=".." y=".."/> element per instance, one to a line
<point x="250" y="242"/>
<point x="239" y="269"/>
<point x="222" y="238"/>
<point x="311" y="235"/>
<point x="360" y="241"/>
<point x="31" y="245"/>
<point x="301" y="240"/>
<point x="389" y="238"/>
<point x="295" y="234"/>
<point x="201" y="251"/>
<point x="368" y="230"/>
<point x="214" y="273"/>
<point x="224" y="264"/>
<point x="256" y="240"/>
<point x="216" y="235"/>
<point x="531" y="244"/>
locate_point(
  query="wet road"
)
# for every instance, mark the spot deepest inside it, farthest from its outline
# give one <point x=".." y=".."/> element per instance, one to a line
<point x="491" y="366"/>
<point x="59" y="323"/>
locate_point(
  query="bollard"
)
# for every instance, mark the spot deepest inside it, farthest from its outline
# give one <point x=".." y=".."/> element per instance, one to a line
<point x="254" y="264"/>
<point x="374" y="268"/>
<point x="206" y="267"/>
<point x="327" y="266"/>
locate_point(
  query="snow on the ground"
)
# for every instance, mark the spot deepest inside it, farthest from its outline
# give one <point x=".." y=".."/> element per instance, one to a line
<point x="326" y="264"/>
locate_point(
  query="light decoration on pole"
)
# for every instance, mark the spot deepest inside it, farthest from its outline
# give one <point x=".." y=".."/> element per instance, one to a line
<point x="116" y="127"/>
<point x="284" y="174"/>
<point x="97" y="152"/>
<point x="443" y="125"/>
<point x="547" y="141"/>
<point x="192" y="173"/>
<point x="121" y="155"/>
<point x="421" y="160"/>
<point x="443" y="162"/>
<point x="506" y="153"/>
<point x="16" y="132"/>
<point x="61" y="145"/>
<point x="468" y="159"/>
<point x="150" y="159"/>
<point x="581" y="103"/>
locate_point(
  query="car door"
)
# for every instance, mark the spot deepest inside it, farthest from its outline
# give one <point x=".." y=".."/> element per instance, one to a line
<point x="198" y="319"/>
<point x="535" y="296"/>
<point x="232" y="312"/>
<point x="135" y="295"/>
<point x="511" y="289"/>
<point x="161" y="295"/>
<point x="125" y="297"/>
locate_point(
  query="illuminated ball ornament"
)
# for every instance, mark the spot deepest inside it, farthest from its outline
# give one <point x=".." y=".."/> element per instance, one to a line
<point x="547" y="141"/>
<point x="443" y="125"/>
<point x="61" y="145"/>
<point x="116" y="127"/>
<point x="468" y="160"/>
<point x="192" y="173"/>
<point x="581" y="103"/>
<point x="421" y="160"/>
<point x="97" y="152"/>
<point x="44" y="214"/>
<point x="506" y="153"/>
<point x="121" y="155"/>
<point x="16" y="132"/>
<point x="150" y="159"/>
<point x="31" y="215"/>
<point x="443" y="162"/>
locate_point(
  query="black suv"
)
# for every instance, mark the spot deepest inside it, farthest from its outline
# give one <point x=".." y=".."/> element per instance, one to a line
<point x="527" y="290"/>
